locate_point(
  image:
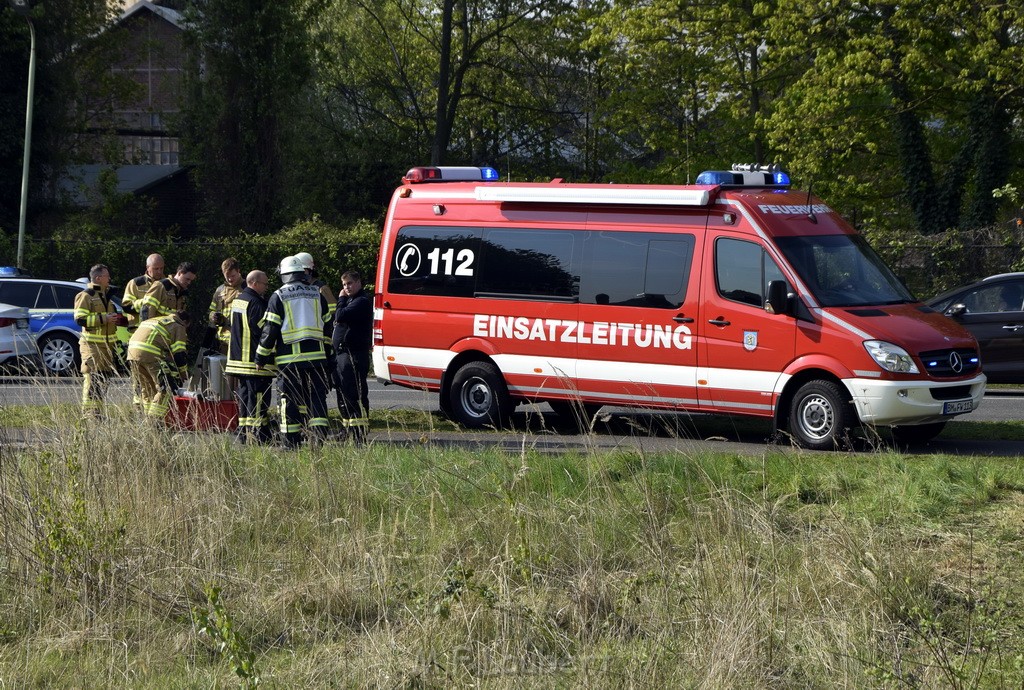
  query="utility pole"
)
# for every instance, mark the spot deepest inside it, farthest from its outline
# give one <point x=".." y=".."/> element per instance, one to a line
<point x="22" y="7"/>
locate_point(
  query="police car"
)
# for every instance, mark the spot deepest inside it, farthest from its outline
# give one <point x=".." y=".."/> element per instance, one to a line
<point x="51" y="305"/>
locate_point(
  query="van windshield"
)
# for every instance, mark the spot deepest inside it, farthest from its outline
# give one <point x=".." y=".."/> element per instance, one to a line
<point x="843" y="271"/>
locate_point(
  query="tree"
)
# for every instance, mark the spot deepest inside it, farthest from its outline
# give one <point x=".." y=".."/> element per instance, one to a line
<point x="75" y="89"/>
<point x="689" y="84"/>
<point x="423" y="72"/>
<point x="916" y="93"/>
<point x="250" y="66"/>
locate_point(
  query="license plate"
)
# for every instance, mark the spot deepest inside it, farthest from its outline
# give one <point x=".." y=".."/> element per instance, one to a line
<point x="22" y="323"/>
<point x="957" y="406"/>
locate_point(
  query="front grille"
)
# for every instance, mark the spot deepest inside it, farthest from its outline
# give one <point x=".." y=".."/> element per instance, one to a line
<point x="951" y="393"/>
<point x="942" y="363"/>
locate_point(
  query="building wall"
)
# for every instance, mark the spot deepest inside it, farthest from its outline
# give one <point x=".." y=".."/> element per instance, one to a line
<point x="153" y="58"/>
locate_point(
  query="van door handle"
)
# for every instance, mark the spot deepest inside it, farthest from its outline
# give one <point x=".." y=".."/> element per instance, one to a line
<point x="679" y="318"/>
<point x="1013" y="327"/>
<point x="718" y="322"/>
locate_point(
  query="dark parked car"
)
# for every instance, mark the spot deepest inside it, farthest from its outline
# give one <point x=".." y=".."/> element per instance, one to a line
<point x="993" y="311"/>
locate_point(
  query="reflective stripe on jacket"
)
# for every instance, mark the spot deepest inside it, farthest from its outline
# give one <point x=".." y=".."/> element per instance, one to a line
<point x="295" y="326"/>
<point x="246" y="314"/>
<point x="163" y="298"/>
<point x="223" y="297"/>
<point x="161" y="339"/>
<point x="131" y="302"/>
<point x="93" y="308"/>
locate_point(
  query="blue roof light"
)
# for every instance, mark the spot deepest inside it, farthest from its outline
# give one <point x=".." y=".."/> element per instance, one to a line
<point x="717" y="177"/>
<point x="488" y="174"/>
<point x="746" y="175"/>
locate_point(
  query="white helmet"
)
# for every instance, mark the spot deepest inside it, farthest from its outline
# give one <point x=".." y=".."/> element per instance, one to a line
<point x="306" y="259"/>
<point x="291" y="264"/>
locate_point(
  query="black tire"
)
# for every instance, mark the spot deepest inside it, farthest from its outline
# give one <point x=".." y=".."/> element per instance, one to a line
<point x="916" y="434"/>
<point x="478" y="396"/>
<point x="821" y="416"/>
<point x="574" y="413"/>
<point x="60" y="354"/>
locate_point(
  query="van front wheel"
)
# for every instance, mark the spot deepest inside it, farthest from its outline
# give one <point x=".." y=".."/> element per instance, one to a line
<point x="479" y="397"/>
<point x="820" y="417"/>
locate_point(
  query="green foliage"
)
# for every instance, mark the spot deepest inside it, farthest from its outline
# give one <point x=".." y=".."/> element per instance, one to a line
<point x="250" y="62"/>
<point x="918" y="109"/>
<point x="74" y="546"/>
<point x="215" y="622"/>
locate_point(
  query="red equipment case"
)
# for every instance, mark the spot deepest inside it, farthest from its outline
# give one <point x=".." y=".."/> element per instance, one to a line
<point x="191" y="414"/>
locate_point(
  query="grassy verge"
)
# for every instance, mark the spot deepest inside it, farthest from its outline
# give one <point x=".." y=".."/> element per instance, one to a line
<point x="142" y="558"/>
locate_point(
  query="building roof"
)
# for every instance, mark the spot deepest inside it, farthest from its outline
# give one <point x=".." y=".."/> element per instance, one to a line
<point x="81" y="181"/>
<point x="173" y="16"/>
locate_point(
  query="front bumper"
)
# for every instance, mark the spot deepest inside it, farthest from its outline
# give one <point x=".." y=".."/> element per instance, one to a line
<point x="909" y="402"/>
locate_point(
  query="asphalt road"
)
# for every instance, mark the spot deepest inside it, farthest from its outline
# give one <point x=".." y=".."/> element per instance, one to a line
<point x="999" y="404"/>
<point x="615" y="428"/>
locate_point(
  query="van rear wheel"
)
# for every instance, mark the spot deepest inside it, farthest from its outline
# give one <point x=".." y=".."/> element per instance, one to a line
<point x="821" y="417"/>
<point x="479" y="397"/>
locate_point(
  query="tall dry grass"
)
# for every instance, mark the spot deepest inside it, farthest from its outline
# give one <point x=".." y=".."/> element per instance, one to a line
<point x="138" y="557"/>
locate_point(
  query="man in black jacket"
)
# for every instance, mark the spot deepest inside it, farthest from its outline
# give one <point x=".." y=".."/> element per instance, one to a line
<point x="245" y="325"/>
<point x="353" y="337"/>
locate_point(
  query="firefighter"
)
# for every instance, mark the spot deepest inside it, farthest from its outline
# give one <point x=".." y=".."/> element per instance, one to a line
<point x="253" y="391"/>
<point x="353" y="337"/>
<point x="158" y="361"/>
<point x="166" y="297"/>
<point x="96" y="313"/>
<point x="137" y="287"/>
<point x="306" y="259"/>
<point x="295" y="336"/>
<point x="223" y="296"/>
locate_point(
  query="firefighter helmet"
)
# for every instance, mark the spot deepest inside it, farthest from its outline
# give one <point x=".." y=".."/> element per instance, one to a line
<point x="306" y="259"/>
<point x="291" y="264"/>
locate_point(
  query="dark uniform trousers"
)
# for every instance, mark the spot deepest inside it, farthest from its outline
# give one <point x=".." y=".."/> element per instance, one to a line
<point x="353" y="366"/>
<point x="303" y="400"/>
<point x="253" y="394"/>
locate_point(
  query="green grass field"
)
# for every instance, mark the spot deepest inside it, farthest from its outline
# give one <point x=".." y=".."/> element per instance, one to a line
<point x="135" y="557"/>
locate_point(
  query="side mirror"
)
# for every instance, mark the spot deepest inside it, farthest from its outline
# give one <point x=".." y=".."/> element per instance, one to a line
<point x="777" y="301"/>
<point x="957" y="309"/>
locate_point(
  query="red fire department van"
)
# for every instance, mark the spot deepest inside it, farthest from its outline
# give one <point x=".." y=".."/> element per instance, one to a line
<point x="735" y="295"/>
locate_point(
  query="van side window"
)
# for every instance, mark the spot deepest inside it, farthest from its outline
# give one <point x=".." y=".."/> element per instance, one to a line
<point x="529" y="264"/>
<point x="743" y="271"/>
<point x="636" y="269"/>
<point x="435" y="261"/>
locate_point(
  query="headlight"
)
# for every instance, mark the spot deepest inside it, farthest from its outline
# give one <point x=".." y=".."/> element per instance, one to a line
<point x="891" y="357"/>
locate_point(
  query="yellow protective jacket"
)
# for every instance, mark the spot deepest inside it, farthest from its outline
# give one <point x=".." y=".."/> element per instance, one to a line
<point x="163" y="298"/>
<point x="161" y="339"/>
<point x="134" y="291"/>
<point x="93" y="309"/>
<point x="220" y="310"/>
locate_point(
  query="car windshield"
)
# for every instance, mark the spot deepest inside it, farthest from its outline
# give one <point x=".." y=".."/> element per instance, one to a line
<point x="843" y="271"/>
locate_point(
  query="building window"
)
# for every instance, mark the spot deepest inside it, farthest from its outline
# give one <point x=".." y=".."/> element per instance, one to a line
<point x="141" y="150"/>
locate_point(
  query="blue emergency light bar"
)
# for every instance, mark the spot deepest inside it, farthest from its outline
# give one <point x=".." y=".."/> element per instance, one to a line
<point x="449" y="173"/>
<point x="746" y="175"/>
